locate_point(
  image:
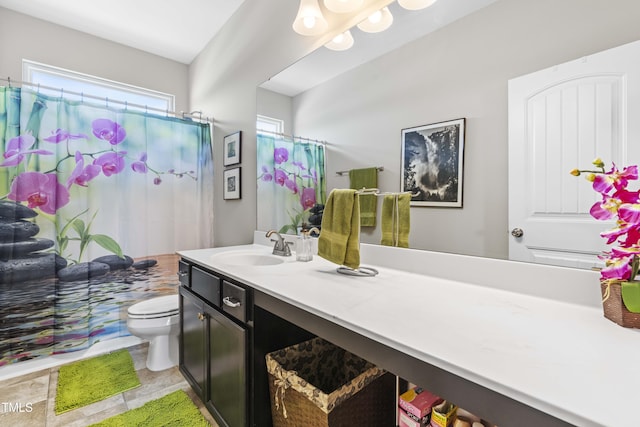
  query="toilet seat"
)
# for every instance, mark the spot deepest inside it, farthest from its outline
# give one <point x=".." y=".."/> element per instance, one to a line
<point x="154" y="308"/>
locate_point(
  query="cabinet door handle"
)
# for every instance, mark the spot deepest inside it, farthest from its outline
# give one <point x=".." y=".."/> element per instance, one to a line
<point x="201" y="317"/>
<point x="182" y="273"/>
<point x="231" y="302"/>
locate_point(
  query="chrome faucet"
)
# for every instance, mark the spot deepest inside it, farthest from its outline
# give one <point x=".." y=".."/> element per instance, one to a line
<point x="281" y="247"/>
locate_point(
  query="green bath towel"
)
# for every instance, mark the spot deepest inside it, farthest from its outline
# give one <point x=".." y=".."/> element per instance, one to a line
<point x="366" y="178"/>
<point x="339" y="240"/>
<point x="396" y="220"/>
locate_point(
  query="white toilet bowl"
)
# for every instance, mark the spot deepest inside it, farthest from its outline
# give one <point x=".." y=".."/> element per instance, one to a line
<point x="157" y="320"/>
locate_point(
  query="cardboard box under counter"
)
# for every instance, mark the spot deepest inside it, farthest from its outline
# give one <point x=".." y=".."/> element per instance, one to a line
<point x="443" y="414"/>
<point x="415" y="407"/>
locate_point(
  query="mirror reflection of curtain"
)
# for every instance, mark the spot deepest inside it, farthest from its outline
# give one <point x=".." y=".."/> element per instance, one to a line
<point x="94" y="202"/>
<point x="291" y="181"/>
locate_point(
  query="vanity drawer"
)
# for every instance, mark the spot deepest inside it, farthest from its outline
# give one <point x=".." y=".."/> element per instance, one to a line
<point x="206" y="285"/>
<point x="234" y="300"/>
<point x="184" y="273"/>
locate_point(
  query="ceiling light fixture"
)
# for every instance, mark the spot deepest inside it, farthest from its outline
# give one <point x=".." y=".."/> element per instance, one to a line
<point x="309" y="21"/>
<point x="341" y="42"/>
<point x="378" y="21"/>
<point x="342" y="6"/>
<point x="415" y="4"/>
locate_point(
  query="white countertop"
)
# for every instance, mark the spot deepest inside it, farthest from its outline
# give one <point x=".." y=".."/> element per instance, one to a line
<point x="558" y="357"/>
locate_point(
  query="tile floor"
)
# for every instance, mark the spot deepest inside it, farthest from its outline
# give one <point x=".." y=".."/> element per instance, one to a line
<point x="28" y="400"/>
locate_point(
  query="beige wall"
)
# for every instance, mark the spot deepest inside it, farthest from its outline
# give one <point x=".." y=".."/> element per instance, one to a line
<point x="24" y="37"/>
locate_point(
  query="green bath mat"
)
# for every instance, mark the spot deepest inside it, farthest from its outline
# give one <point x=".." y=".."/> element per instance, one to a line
<point x="175" y="409"/>
<point x="92" y="380"/>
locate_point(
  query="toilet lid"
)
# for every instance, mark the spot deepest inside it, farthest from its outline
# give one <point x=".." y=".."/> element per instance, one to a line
<point x="167" y="304"/>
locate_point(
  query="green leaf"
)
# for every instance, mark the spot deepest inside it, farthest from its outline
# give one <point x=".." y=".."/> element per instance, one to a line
<point x="108" y="243"/>
<point x="631" y="296"/>
<point x="62" y="243"/>
<point x="78" y="226"/>
<point x="286" y="228"/>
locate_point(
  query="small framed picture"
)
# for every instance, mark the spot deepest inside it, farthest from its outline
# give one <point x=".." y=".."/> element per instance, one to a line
<point x="231" y="184"/>
<point x="432" y="163"/>
<point x="232" y="148"/>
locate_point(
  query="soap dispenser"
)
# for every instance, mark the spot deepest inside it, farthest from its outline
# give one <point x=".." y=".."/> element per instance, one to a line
<point x="304" y="244"/>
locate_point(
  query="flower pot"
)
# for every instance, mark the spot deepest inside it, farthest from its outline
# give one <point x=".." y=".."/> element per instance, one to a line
<point x="614" y="307"/>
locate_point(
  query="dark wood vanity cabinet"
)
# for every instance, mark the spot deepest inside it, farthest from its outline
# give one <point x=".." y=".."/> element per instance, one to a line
<point x="214" y="346"/>
<point x="193" y="331"/>
<point x="224" y="339"/>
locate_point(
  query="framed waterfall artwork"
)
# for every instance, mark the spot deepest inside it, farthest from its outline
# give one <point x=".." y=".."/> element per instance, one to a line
<point x="432" y="163"/>
<point x="232" y="147"/>
<point x="231" y="184"/>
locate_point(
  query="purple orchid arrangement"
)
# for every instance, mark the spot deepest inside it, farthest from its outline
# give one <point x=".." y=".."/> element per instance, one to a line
<point x="621" y="262"/>
<point x="42" y="190"/>
<point x="299" y="180"/>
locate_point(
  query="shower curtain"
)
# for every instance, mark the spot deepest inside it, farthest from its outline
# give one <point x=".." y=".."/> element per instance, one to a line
<point x="291" y="183"/>
<point x="94" y="202"/>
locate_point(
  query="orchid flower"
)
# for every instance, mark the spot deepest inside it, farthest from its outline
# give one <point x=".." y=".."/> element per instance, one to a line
<point x="82" y="174"/>
<point x="291" y="185"/>
<point x="111" y="162"/>
<point x="108" y="130"/>
<point x="266" y="175"/>
<point x="617" y="269"/>
<point x="60" y="135"/>
<point x="280" y="177"/>
<point x="140" y="165"/>
<point x="603" y="183"/>
<point x="308" y="198"/>
<point x="280" y="155"/>
<point x="18" y="147"/>
<point x="621" y="263"/>
<point x="39" y="190"/>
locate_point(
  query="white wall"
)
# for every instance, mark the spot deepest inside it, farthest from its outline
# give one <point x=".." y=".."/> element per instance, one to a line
<point x="24" y="37"/>
<point x="459" y="71"/>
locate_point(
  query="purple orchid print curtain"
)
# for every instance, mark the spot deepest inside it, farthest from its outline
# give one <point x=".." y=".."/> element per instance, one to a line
<point x="291" y="184"/>
<point x="94" y="202"/>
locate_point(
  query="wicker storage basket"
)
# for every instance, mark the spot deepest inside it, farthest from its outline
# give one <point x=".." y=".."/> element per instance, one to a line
<point x="614" y="308"/>
<point x="316" y="384"/>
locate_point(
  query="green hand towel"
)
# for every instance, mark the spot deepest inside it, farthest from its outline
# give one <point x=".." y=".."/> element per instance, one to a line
<point x="366" y="178"/>
<point x="339" y="240"/>
<point x="396" y="220"/>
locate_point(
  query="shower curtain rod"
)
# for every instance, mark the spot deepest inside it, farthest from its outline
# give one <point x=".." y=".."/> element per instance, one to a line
<point x="193" y="114"/>
<point x="292" y="136"/>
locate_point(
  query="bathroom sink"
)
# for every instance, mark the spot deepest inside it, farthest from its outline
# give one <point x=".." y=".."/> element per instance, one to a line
<point x="247" y="258"/>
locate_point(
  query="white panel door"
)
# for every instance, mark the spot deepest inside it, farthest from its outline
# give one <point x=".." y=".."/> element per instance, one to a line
<point x="563" y="118"/>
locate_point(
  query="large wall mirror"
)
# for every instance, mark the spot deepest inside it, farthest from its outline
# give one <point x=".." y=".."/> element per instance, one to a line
<point x="460" y="68"/>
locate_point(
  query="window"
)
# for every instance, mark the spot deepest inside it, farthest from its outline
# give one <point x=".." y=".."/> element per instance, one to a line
<point x="269" y="125"/>
<point x="55" y="81"/>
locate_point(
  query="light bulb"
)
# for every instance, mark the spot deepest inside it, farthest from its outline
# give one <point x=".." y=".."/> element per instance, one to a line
<point x="375" y="17"/>
<point x="377" y="21"/>
<point x="309" y="21"/>
<point x="341" y="42"/>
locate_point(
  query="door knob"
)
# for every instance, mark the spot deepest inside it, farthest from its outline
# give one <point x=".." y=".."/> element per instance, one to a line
<point x="517" y="232"/>
<point x="201" y="316"/>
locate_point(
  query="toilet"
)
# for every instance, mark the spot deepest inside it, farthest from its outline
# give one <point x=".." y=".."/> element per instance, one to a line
<point x="157" y="320"/>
